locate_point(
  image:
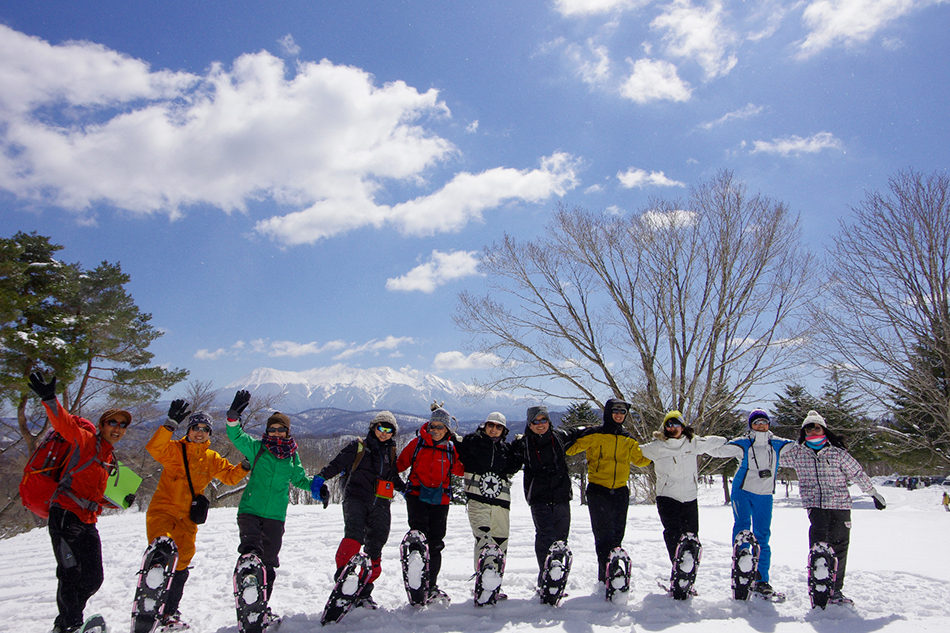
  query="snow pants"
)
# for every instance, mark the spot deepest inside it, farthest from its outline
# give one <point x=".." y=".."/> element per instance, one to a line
<point x="78" y="552"/>
<point x="754" y="511"/>
<point x="834" y="528"/>
<point x="678" y="518"/>
<point x="181" y="530"/>
<point x="366" y="524"/>
<point x="430" y="520"/>
<point x="552" y="522"/>
<point x="490" y="525"/>
<point x="608" y="520"/>
<point x="264" y="537"/>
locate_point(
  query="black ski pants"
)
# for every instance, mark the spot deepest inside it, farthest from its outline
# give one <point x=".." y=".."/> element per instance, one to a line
<point x="78" y="552"/>
<point x="431" y="520"/>
<point x="834" y="528"/>
<point x="367" y="522"/>
<point x="678" y="518"/>
<point x="552" y="522"/>
<point x="608" y="520"/>
<point x="264" y="537"/>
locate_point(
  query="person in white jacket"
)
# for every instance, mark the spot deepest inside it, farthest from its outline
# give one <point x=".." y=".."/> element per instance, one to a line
<point x="674" y="457"/>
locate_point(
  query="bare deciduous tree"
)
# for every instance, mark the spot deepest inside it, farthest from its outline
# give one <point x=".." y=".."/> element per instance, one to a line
<point x="887" y="318"/>
<point x="686" y="305"/>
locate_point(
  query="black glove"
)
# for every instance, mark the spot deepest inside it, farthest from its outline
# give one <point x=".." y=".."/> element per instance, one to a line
<point x="45" y="390"/>
<point x="325" y="495"/>
<point x="878" y="498"/>
<point x="129" y="499"/>
<point x="178" y="410"/>
<point x="246" y="464"/>
<point x="241" y="398"/>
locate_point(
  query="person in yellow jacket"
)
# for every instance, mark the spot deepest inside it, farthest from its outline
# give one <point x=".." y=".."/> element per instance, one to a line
<point x="168" y="511"/>
<point x="610" y="451"/>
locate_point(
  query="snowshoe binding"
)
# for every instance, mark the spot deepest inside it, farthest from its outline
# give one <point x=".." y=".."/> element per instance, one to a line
<point x="552" y="580"/>
<point x="617" y="575"/>
<point x="350" y="582"/>
<point x="414" y="556"/>
<point x="689" y="552"/>
<point x="822" y="569"/>
<point x="491" y="569"/>
<point x="93" y="624"/>
<point x="154" y="579"/>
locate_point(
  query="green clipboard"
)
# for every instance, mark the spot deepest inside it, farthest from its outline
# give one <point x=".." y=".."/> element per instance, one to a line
<point x="122" y="483"/>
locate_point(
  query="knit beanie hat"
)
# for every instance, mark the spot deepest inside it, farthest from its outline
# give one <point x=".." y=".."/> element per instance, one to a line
<point x="278" y="419"/>
<point x="497" y="418"/>
<point x="440" y="415"/>
<point x="200" y="417"/>
<point x="534" y="411"/>
<point x="759" y="414"/>
<point x="814" y="418"/>
<point x="674" y="414"/>
<point x="384" y="418"/>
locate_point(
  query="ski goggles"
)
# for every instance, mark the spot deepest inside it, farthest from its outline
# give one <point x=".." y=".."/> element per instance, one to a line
<point x="204" y="428"/>
<point x="385" y="428"/>
<point x="673" y="422"/>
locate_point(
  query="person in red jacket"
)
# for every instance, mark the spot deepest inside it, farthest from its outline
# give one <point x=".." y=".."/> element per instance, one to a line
<point x="74" y="510"/>
<point x="433" y="459"/>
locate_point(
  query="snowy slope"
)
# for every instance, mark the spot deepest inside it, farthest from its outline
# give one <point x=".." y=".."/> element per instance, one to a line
<point x="895" y="589"/>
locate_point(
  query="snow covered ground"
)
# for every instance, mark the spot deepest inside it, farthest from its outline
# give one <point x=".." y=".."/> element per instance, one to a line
<point x="898" y="575"/>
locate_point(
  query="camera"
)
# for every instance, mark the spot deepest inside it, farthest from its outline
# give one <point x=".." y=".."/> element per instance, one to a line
<point x="765" y="473"/>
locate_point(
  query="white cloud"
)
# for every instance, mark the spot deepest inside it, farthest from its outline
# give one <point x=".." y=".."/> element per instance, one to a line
<point x="790" y="145"/>
<point x="746" y="112"/>
<point x="288" y="45"/>
<point x="293" y="349"/>
<point x="698" y="33"/>
<point x="375" y="346"/>
<point x="472" y="127"/>
<point x="594" y="7"/>
<point x="82" y="125"/>
<point x="639" y="178"/>
<point x="438" y="271"/>
<point x="654" y="80"/>
<point x="668" y="219"/>
<point x="850" y="22"/>
<point x="591" y="62"/>
<point x="221" y="352"/>
<point x="458" y="360"/>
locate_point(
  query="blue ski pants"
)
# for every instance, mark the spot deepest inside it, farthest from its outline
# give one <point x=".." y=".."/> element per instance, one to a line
<point x="752" y="511"/>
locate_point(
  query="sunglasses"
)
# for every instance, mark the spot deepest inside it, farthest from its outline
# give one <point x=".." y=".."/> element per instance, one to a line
<point x="814" y="427"/>
<point x="539" y="421"/>
<point x="671" y="423"/>
<point x="436" y="427"/>
<point x="761" y="421"/>
<point x="277" y="429"/>
<point x="493" y="425"/>
<point x="124" y="423"/>
<point x="385" y="429"/>
<point x="204" y="428"/>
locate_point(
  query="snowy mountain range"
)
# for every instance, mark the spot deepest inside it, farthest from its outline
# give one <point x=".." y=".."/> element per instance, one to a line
<point x="340" y="397"/>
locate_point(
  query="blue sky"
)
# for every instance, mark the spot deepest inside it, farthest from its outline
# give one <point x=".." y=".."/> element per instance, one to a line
<point x="299" y="184"/>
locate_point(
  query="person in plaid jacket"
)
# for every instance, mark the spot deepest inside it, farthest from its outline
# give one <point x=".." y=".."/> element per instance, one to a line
<point x="825" y="470"/>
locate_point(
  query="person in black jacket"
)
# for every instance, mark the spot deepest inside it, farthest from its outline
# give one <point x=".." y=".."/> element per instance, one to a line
<point x="547" y="483"/>
<point x="369" y="468"/>
<point x="489" y="465"/>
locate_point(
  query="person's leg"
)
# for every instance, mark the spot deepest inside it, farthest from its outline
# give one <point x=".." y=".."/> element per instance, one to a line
<point x="479" y="517"/>
<point x="272" y="536"/>
<point x="438" y="519"/>
<point x="668" y="509"/>
<point x="500" y="527"/>
<point x="542" y="515"/>
<point x="762" y="529"/>
<point x="839" y="532"/>
<point x="600" y="509"/>
<point x="78" y="553"/>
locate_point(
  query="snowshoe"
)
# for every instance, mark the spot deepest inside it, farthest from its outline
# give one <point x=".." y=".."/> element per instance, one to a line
<point x="837" y="597"/>
<point x="350" y="582"/>
<point x="552" y="580"/>
<point x="822" y="569"/>
<point x="764" y="591"/>
<point x="414" y="556"/>
<point x="689" y="552"/>
<point x="154" y="579"/>
<point x="171" y="623"/>
<point x="250" y="594"/>
<point x="491" y="569"/>
<point x="745" y="563"/>
<point x="438" y="597"/>
<point x="617" y="574"/>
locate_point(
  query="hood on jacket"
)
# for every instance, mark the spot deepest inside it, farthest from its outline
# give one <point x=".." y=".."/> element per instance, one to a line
<point x="609" y="425"/>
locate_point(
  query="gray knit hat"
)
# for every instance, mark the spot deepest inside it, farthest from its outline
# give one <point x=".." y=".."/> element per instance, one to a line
<point x="440" y="415"/>
<point x="386" y="419"/>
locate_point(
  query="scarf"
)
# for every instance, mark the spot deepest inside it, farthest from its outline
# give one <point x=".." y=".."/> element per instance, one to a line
<point x="816" y="442"/>
<point x="280" y="447"/>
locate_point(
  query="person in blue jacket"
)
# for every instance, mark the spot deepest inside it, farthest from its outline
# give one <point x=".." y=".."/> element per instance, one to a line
<point x="753" y="487"/>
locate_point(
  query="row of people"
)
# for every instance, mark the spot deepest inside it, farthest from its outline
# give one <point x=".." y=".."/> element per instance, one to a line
<point x="487" y="461"/>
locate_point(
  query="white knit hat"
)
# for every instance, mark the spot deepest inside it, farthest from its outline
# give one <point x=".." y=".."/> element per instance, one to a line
<point x="814" y="418"/>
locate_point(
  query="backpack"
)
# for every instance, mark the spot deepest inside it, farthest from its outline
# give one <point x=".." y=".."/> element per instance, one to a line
<point x="49" y="472"/>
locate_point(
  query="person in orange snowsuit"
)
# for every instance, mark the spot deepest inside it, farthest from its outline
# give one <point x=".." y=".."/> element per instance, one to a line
<point x="168" y="511"/>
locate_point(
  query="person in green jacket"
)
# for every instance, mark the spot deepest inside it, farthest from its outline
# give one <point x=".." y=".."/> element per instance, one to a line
<point x="610" y="451"/>
<point x="275" y="465"/>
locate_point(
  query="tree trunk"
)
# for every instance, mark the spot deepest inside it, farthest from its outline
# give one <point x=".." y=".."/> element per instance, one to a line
<point x="725" y="490"/>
